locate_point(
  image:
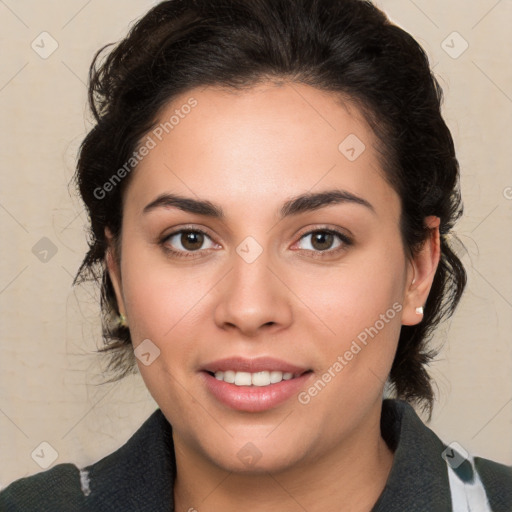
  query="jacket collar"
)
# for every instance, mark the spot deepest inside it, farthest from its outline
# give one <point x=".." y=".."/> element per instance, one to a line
<point x="138" y="476"/>
<point x="418" y="475"/>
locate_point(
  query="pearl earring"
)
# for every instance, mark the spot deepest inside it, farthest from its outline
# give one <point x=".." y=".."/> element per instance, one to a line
<point x="419" y="311"/>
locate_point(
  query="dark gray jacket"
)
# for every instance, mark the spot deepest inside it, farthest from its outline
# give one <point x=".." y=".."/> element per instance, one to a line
<point x="426" y="476"/>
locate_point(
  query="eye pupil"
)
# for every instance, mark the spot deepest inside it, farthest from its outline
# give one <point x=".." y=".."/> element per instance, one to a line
<point x="321" y="237"/>
<point x="189" y="238"/>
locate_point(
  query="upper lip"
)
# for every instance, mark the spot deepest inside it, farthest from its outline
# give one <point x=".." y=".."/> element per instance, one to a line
<point x="260" y="364"/>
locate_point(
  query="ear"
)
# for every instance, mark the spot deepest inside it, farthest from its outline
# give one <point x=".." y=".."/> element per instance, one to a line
<point x="423" y="266"/>
<point x="114" y="271"/>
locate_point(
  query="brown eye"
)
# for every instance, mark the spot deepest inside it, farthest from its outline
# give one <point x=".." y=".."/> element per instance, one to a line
<point x="191" y="240"/>
<point x="324" y="240"/>
<point x="186" y="241"/>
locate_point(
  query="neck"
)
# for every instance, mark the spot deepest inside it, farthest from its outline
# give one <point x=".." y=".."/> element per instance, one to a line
<point x="348" y="477"/>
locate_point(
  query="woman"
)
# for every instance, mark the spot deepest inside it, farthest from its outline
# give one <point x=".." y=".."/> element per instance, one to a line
<point x="271" y="190"/>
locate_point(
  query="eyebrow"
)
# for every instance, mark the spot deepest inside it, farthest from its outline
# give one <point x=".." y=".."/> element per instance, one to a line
<point x="295" y="206"/>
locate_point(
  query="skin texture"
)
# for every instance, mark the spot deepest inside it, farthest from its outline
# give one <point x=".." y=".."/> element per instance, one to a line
<point x="249" y="152"/>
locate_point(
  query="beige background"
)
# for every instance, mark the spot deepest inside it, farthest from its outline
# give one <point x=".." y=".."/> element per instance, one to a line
<point x="48" y="374"/>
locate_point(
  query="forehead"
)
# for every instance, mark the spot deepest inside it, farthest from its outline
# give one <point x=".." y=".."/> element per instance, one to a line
<point x="260" y="145"/>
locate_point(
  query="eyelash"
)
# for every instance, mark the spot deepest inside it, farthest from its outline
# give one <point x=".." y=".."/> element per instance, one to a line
<point x="345" y="242"/>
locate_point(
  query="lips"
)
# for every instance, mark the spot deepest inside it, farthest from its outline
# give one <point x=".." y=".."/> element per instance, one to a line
<point x="262" y="364"/>
<point x="253" y="398"/>
<point x="248" y="394"/>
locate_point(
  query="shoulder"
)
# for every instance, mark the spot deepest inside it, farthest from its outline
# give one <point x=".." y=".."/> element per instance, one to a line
<point x="119" y="481"/>
<point x="55" y="489"/>
<point x="429" y="475"/>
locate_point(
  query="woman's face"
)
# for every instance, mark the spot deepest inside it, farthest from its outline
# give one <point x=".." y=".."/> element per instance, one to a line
<point x="270" y="282"/>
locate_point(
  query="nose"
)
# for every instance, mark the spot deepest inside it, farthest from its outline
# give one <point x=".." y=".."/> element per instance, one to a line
<point x="253" y="298"/>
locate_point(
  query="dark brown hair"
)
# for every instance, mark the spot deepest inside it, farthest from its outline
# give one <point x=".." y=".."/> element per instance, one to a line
<point x="348" y="47"/>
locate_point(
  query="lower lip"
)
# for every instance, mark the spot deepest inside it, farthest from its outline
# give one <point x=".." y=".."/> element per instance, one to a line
<point x="254" y="398"/>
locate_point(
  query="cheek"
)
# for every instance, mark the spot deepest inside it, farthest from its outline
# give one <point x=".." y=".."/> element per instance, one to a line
<point x="163" y="304"/>
<point x="159" y="296"/>
<point x="358" y="312"/>
<point x="351" y="297"/>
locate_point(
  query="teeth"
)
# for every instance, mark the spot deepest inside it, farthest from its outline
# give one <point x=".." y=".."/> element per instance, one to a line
<point x="229" y="376"/>
<point x="242" y="379"/>
<point x="253" y="379"/>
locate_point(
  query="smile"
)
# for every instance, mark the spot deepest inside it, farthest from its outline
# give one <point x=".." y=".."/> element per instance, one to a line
<point x="254" y="392"/>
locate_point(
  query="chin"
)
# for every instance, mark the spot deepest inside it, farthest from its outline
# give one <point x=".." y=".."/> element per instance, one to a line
<point x="253" y="457"/>
<point x="261" y="466"/>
